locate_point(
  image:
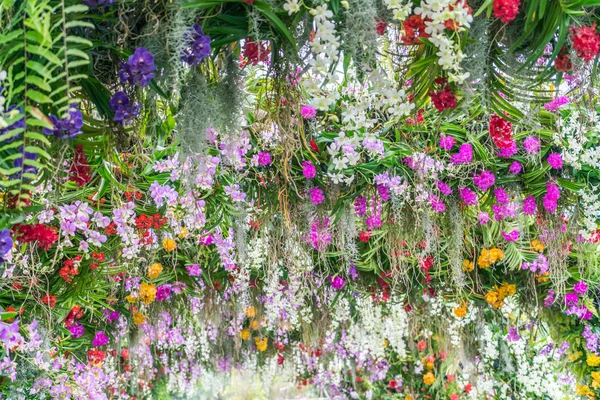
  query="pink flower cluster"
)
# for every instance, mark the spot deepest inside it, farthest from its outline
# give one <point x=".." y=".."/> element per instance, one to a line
<point x="464" y="155"/>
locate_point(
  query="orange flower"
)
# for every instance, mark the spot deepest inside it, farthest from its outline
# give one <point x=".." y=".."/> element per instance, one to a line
<point x="429" y="378"/>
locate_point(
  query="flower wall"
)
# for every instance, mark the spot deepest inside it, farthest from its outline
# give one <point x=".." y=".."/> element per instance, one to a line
<point x="364" y="199"/>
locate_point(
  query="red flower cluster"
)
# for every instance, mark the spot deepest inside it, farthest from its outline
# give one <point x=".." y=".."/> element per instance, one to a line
<point x="80" y="169"/>
<point x="131" y="193"/>
<point x="96" y="356"/>
<point x="586" y="42"/>
<point x="414" y="28"/>
<point x="49" y="299"/>
<point x="444" y="99"/>
<point x="144" y="222"/>
<point x="501" y="132"/>
<point x="563" y="62"/>
<point x="506" y="10"/>
<point x="381" y="26"/>
<point x="75" y="313"/>
<point x="44" y="235"/>
<point x="70" y="269"/>
<point x="418" y="119"/>
<point x="98" y="257"/>
<point x="365" y="236"/>
<point x="254" y="52"/>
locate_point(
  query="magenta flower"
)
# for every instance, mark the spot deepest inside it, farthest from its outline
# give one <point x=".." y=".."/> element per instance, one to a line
<point x="550" y="199"/>
<point x="513" y="334"/>
<point x="571" y="299"/>
<point x="384" y="192"/>
<point x="512" y="236"/>
<point x="360" y="206"/>
<point x="337" y="282"/>
<point x="206" y="240"/>
<point x="308" y="169"/>
<point x="447" y="142"/>
<point x="316" y="195"/>
<point x="556" y="103"/>
<point x="555" y="161"/>
<point x="507" y="152"/>
<point x="444" y="188"/>
<point x="529" y="205"/>
<point x="483" y="217"/>
<point x="501" y="196"/>
<point x="264" y="158"/>
<point x="309" y="112"/>
<point x="464" y="155"/>
<point x="515" y="168"/>
<point x="436" y="204"/>
<point x="485" y="180"/>
<point x="580" y="287"/>
<point x="549" y="300"/>
<point x="468" y="196"/>
<point x="77" y="330"/>
<point x="194" y="270"/>
<point x="531" y="144"/>
<point x="100" y="339"/>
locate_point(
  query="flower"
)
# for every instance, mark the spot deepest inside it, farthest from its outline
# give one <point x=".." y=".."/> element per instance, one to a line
<point x="77" y="330"/>
<point x="489" y="257"/>
<point x="100" y="339"/>
<point x="512" y="236"/>
<point x="586" y="42"/>
<point x="515" y="168"/>
<point x="337" y="282"/>
<point x="309" y="112"/>
<point x="429" y="378"/>
<point x="444" y="188"/>
<point x="199" y="46"/>
<point x="556" y="103"/>
<point x="555" y="161"/>
<point x="316" y="195"/>
<point x="592" y="360"/>
<point x="485" y="180"/>
<point x="364" y="236"/>
<point x="537" y="245"/>
<point x="68" y="127"/>
<point x="580" y="287"/>
<point x="6" y="243"/>
<point x="245" y="334"/>
<point x="501" y="132"/>
<point x="139" y="318"/>
<point x="261" y="344"/>
<point x="531" y="144"/>
<point x="264" y="158"/>
<point x="461" y="311"/>
<point x="468" y="265"/>
<point x="447" y="142"/>
<point x="169" y="244"/>
<point x="98" y="3"/>
<point x="194" y="270"/>
<point x="513" y="334"/>
<point x="308" y="169"/>
<point x="464" y="155"/>
<point x="468" y="196"/>
<point x="154" y="271"/>
<point x="147" y="292"/>
<point x="529" y="205"/>
<point x="550" y="199"/>
<point x="506" y="10"/>
<point x="139" y="68"/>
<point x="444" y="99"/>
<point x="125" y="112"/>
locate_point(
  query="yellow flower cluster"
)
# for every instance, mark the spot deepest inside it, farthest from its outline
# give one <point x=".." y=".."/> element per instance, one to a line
<point x="183" y="233"/>
<point x="537" y="245"/>
<point x="147" y="292"/>
<point x="593" y="360"/>
<point x="169" y="244"/>
<point x="596" y="379"/>
<point x="468" y="266"/>
<point x="584" y="390"/>
<point x="489" y="257"/>
<point x="461" y="311"/>
<point x="245" y="334"/>
<point x="154" y="271"/>
<point x="261" y="344"/>
<point x="429" y="379"/>
<point x="138" y="318"/>
<point x="496" y="296"/>
<point x="250" y="312"/>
